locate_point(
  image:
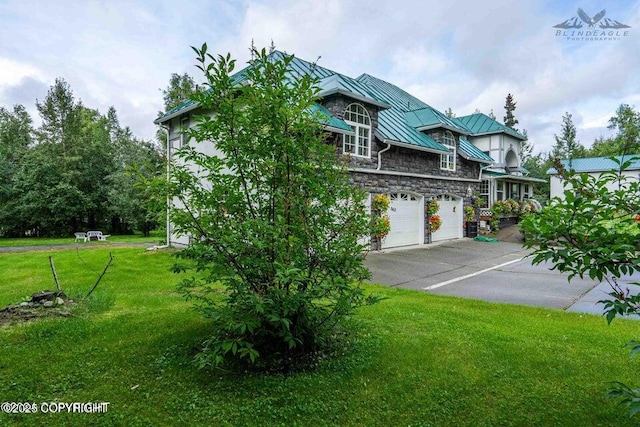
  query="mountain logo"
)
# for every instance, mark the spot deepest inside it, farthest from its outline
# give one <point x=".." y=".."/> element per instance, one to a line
<point x="598" y="20"/>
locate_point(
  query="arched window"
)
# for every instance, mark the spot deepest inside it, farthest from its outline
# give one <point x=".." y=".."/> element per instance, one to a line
<point x="448" y="161"/>
<point x="359" y="144"/>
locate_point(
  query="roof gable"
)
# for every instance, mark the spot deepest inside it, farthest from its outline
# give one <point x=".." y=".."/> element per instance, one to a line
<point x="430" y="118"/>
<point x="480" y="124"/>
<point x="339" y="84"/>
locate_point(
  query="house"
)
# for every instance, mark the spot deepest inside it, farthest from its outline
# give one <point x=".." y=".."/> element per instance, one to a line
<point x="400" y="146"/>
<point x="593" y="166"/>
<point x="505" y="178"/>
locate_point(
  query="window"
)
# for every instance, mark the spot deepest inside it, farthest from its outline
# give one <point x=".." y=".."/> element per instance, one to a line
<point x="175" y="143"/>
<point x="484" y="191"/>
<point x="515" y="191"/>
<point x="448" y="161"/>
<point x="499" y="190"/>
<point x="526" y="192"/>
<point x="359" y="144"/>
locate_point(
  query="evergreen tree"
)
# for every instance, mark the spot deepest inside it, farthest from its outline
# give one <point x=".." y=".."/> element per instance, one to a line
<point x="449" y="113"/>
<point x="510" y="107"/>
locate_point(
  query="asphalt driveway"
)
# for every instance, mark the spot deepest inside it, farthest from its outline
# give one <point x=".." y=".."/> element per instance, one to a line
<point x="496" y="272"/>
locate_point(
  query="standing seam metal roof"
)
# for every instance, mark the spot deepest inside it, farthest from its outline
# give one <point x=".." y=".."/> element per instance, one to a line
<point x="399" y="115"/>
<point x="480" y="123"/>
<point x="598" y="164"/>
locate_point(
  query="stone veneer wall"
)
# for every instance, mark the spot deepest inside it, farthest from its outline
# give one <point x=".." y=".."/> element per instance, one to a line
<point x="426" y="187"/>
<point x="399" y="159"/>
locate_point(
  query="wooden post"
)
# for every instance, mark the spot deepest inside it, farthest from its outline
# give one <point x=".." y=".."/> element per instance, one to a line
<point x="55" y="275"/>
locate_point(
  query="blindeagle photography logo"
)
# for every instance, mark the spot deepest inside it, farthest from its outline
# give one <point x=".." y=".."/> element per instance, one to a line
<point x="596" y="28"/>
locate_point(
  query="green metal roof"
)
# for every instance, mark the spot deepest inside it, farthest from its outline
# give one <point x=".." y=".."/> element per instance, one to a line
<point x="471" y="152"/>
<point x="430" y="118"/>
<point x="509" y="177"/>
<point x="597" y="164"/>
<point x="331" y="122"/>
<point x="338" y="83"/>
<point x="480" y="124"/>
<point x="392" y="123"/>
<point x="400" y="117"/>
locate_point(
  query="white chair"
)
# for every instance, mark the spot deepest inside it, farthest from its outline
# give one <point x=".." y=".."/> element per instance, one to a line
<point x="81" y="235"/>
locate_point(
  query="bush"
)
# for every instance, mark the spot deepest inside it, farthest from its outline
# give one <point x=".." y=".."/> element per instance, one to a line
<point x="592" y="231"/>
<point x="274" y="221"/>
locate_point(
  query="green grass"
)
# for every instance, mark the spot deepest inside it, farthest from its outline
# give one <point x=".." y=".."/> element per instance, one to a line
<point x="418" y="359"/>
<point x="156" y="237"/>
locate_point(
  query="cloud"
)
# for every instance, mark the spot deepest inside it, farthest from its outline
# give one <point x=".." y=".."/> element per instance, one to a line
<point x="464" y="54"/>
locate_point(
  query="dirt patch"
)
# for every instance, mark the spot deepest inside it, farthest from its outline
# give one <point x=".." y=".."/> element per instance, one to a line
<point x="45" y="304"/>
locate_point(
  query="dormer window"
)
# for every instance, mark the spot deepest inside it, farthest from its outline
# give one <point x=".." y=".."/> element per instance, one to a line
<point x="448" y="161"/>
<point x="359" y="144"/>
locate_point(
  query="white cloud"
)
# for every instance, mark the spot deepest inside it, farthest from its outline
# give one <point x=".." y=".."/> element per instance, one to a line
<point x="464" y="54"/>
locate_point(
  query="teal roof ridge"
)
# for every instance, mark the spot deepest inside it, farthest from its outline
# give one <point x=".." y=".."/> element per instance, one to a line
<point x="392" y="94"/>
<point x="480" y="123"/>
<point x="430" y="117"/>
<point x="338" y="83"/>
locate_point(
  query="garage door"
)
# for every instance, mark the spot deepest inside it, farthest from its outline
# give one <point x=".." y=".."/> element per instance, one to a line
<point x="406" y="217"/>
<point x="451" y="214"/>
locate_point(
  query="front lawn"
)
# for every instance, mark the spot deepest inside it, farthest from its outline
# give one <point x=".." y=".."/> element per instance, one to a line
<point x="418" y="359"/>
<point x="155" y="237"/>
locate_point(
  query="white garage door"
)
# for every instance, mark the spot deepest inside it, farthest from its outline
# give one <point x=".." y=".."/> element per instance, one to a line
<point x="406" y="218"/>
<point x="451" y="214"/>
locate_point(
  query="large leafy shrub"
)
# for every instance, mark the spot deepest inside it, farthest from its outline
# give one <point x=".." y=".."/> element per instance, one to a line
<point x="593" y="232"/>
<point x="276" y="228"/>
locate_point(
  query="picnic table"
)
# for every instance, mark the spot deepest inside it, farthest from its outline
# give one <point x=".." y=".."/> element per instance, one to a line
<point x="91" y="235"/>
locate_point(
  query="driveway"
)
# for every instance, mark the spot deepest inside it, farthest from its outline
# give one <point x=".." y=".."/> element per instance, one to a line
<point x="495" y="272"/>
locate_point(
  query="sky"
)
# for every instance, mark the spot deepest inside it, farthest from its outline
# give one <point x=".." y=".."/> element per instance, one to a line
<point x="461" y="54"/>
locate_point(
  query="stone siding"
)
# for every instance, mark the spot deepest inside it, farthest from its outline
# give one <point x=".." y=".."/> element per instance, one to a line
<point x="426" y="187"/>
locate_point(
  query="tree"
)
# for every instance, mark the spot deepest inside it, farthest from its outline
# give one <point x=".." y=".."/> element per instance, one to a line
<point x="181" y="88"/>
<point x="627" y="124"/>
<point x="273" y="219"/>
<point x="510" y="106"/>
<point x="526" y="148"/>
<point x="603" y="147"/>
<point x="566" y="146"/>
<point x="131" y="200"/>
<point x="537" y="165"/>
<point x="68" y="166"/>
<point x="595" y="231"/>
<point x="15" y="138"/>
<point x="449" y="113"/>
<point x="492" y="116"/>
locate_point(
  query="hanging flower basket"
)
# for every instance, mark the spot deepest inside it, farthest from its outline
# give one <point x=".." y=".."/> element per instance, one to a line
<point x="380" y="203"/>
<point x="435" y="222"/>
<point x="469" y="213"/>
<point x="381" y="227"/>
<point x="432" y="207"/>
